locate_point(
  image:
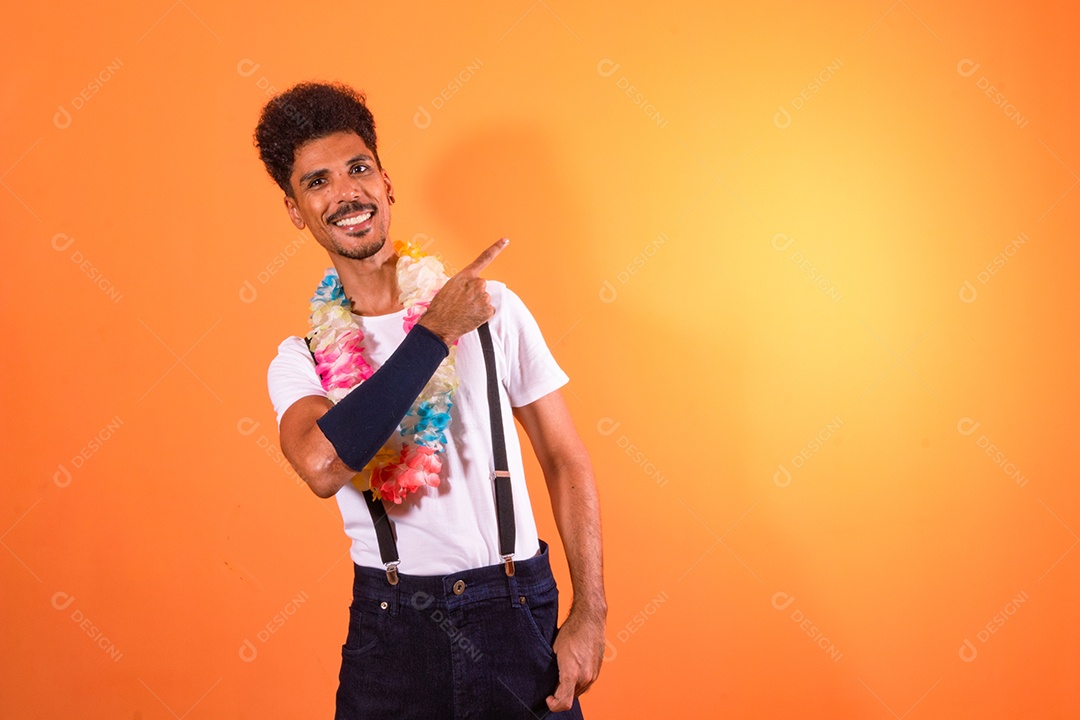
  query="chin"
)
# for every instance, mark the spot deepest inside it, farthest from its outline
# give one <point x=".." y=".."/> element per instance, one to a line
<point x="362" y="252"/>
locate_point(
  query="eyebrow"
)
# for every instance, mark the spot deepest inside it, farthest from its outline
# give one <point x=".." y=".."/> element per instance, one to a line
<point x="323" y="171"/>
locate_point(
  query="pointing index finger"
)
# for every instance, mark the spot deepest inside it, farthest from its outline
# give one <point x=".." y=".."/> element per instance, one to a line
<point x="484" y="259"/>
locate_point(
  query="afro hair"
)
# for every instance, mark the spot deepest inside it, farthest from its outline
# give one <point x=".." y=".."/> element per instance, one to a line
<point x="305" y="112"/>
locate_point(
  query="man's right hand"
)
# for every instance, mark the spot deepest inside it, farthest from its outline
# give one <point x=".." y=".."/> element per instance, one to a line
<point x="462" y="305"/>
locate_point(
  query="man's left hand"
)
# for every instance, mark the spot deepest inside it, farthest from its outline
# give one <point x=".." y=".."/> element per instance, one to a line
<point x="579" y="649"/>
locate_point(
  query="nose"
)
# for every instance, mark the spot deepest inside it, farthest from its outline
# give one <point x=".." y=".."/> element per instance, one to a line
<point x="347" y="189"/>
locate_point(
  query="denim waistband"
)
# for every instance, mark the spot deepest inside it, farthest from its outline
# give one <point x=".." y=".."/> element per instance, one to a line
<point x="531" y="576"/>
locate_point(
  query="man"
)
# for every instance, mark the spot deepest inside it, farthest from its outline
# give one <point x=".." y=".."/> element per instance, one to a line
<point x="385" y="406"/>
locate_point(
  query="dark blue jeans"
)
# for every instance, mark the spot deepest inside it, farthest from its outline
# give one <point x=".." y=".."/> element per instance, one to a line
<point x="474" y="644"/>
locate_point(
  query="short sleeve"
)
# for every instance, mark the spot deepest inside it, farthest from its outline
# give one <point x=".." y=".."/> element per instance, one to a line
<point x="292" y="375"/>
<point x="531" y="368"/>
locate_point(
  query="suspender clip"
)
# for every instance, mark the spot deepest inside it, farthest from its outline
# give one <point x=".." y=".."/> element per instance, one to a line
<point x="508" y="565"/>
<point x="391" y="573"/>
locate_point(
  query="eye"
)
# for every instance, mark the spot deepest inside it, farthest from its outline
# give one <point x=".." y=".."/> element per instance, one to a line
<point x="315" y="183"/>
<point x="358" y="168"/>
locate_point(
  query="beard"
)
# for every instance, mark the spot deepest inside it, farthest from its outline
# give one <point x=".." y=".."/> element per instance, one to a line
<point x="361" y="252"/>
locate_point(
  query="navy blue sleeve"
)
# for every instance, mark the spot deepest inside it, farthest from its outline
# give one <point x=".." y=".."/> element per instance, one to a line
<point x="367" y="417"/>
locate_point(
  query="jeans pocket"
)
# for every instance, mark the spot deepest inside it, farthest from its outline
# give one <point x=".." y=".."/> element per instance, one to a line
<point x="361" y="637"/>
<point x="542" y="614"/>
<point x="360" y="687"/>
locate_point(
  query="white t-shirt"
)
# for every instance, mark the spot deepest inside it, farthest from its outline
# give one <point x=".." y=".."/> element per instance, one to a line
<point x="452" y="527"/>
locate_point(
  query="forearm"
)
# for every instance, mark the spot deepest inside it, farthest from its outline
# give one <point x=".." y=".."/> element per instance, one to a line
<point x="575" y="503"/>
<point x="576" y="506"/>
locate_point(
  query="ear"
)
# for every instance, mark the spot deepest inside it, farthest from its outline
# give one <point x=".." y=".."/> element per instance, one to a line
<point x="389" y="186"/>
<point x="294" y="212"/>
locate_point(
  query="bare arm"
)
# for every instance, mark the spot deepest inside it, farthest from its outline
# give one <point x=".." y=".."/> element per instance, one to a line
<point x="576" y="506"/>
<point x="308" y="450"/>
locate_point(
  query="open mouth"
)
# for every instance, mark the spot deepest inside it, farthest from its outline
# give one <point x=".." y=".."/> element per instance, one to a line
<point x="354" y="220"/>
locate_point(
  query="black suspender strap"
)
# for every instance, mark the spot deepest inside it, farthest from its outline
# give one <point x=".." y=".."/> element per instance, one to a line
<point x="384" y="531"/>
<point x="504" y="492"/>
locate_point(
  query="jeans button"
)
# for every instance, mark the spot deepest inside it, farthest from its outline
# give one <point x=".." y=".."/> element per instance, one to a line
<point x="459" y="587"/>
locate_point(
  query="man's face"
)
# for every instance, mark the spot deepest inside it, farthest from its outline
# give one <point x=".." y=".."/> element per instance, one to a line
<point x="341" y="195"/>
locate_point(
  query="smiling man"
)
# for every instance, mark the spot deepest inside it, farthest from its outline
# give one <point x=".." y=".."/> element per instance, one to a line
<point x="389" y="405"/>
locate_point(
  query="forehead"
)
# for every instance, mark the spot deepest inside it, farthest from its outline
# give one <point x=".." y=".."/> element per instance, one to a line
<point x="329" y="151"/>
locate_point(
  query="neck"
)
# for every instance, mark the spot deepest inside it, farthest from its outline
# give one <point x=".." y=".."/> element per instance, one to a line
<point x="370" y="284"/>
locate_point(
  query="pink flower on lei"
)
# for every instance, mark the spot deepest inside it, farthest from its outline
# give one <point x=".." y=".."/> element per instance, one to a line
<point x="416" y="467"/>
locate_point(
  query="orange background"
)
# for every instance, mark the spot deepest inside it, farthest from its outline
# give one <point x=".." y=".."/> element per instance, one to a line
<point x="835" y="438"/>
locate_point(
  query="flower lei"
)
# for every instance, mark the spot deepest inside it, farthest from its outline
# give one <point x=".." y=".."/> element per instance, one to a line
<point x="411" y="458"/>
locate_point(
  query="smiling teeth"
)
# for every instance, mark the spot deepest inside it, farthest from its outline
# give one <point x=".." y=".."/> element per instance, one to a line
<point x="353" y="220"/>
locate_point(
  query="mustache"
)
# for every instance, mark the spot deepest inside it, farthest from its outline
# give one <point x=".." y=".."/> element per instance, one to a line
<point x="351" y="208"/>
